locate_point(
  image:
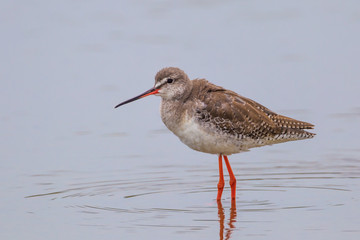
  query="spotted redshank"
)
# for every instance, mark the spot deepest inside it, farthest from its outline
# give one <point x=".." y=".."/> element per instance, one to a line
<point x="211" y="119"/>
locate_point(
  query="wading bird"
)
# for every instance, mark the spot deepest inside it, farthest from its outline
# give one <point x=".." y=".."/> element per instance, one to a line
<point x="211" y="119"/>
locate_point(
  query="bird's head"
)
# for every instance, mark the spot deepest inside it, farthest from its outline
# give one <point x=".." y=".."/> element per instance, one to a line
<point x="170" y="83"/>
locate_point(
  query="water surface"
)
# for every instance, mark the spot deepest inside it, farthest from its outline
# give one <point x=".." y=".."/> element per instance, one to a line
<point x="73" y="167"/>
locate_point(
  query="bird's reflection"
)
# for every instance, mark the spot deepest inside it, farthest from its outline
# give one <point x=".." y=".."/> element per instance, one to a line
<point x="231" y="223"/>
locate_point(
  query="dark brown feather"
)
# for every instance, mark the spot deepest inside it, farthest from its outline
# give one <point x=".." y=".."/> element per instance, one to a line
<point x="242" y="117"/>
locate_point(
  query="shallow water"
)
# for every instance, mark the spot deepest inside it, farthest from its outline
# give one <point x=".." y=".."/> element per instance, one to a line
<point x="73" y="167"/>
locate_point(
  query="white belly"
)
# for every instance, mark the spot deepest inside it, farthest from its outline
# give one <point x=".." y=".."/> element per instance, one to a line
<point x="208" y="139"/>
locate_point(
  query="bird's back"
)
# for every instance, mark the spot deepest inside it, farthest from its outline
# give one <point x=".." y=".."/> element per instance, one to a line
<point x="226" y="112"/>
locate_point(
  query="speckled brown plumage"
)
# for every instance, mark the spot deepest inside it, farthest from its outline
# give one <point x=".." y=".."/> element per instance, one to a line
<point x="243" y="117"/>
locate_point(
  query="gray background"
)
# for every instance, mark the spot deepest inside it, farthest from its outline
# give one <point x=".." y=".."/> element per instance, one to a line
<point x="73" y="167"/>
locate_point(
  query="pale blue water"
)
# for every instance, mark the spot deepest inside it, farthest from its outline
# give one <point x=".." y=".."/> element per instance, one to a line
<point x="73" y="167"/>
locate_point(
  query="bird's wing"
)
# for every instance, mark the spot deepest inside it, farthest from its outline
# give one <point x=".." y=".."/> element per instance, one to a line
<point x="279" y="120"/>
<point x="241" y="116"/>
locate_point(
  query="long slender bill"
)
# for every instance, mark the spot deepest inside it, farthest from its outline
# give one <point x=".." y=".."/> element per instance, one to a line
<point x="145" y="94"/>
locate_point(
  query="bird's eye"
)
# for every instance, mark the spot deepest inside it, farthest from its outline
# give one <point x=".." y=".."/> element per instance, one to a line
<point x="170" y="80"/>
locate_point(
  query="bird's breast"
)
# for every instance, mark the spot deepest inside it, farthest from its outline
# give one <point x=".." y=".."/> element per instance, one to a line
<point x="196" y="135"/>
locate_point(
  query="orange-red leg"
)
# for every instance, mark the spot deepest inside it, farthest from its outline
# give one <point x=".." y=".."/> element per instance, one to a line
<point x="232" y="178"/>
<point x="221" y="179"/>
